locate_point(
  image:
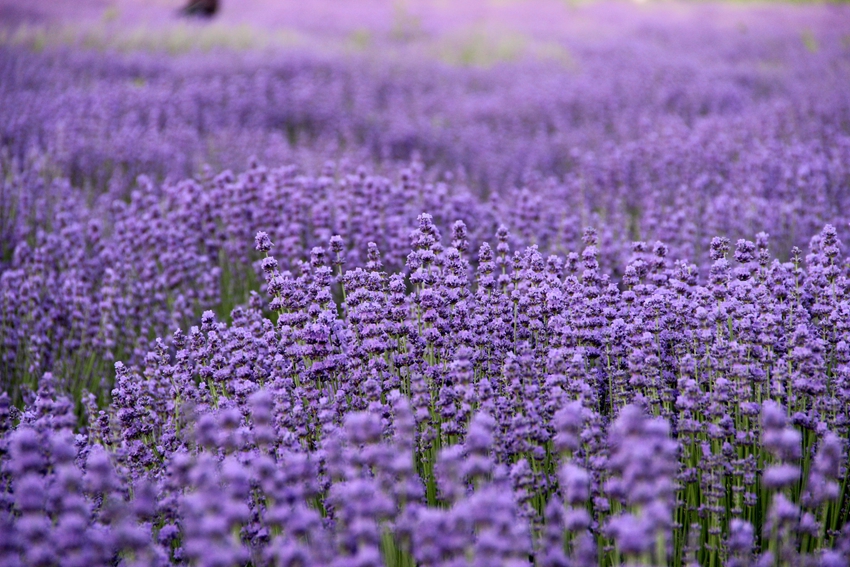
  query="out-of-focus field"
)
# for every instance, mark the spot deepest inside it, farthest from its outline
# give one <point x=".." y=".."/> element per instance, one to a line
<point x="474" y="32"/>
<point x="532" y="53"/>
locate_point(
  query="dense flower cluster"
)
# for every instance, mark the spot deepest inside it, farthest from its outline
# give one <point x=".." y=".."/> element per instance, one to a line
<point x="109" y="279"/>
<point x="525" y="409"/>
<point x="534" y="314"/>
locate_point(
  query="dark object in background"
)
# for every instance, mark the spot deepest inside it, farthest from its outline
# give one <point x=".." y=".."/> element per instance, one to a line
<point x="206" y="8"/>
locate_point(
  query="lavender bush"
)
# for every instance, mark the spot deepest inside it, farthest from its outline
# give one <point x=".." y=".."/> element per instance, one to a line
<point x="549" y="312"/>
<point x="526" y="409"/>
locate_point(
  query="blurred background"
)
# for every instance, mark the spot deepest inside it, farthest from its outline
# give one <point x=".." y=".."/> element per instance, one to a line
<point x="504" y="29"/>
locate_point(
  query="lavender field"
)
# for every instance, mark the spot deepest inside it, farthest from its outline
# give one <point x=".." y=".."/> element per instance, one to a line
<point x="424" y="284"/>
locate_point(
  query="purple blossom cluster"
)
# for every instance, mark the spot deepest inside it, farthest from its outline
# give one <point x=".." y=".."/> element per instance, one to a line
<point x="488" y="409"/>
<point x="111" y="277"/>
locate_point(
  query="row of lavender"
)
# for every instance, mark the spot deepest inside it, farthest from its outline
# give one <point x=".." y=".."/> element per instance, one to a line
<point x="525" y="410"/>
<point x="85" y="285"/>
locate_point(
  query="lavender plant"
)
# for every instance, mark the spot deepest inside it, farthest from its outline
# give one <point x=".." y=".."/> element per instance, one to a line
<point x="389" y="429"/>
